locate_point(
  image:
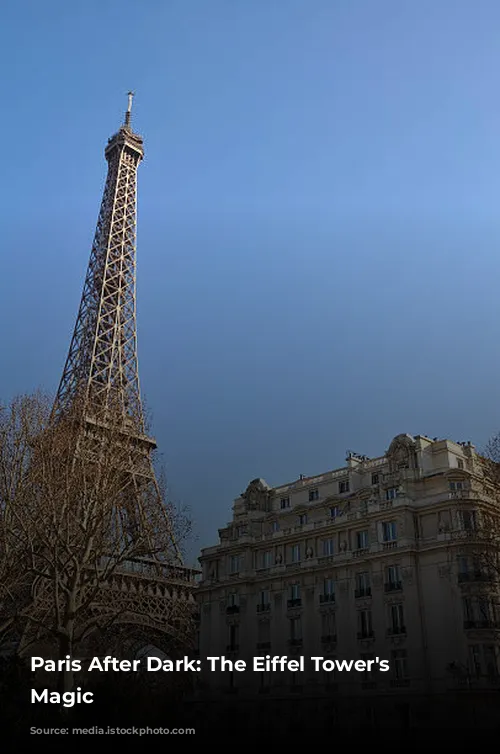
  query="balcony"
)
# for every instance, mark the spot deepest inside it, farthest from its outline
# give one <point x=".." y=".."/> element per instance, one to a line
<point x="328" y="639"/>
<point x="294" y="603"/>
<point x="232" y="609"/>
<point x="363" y="635"/>
<point x="389" y="545"/>
<point x="481" y="624"/>
<point x="393" y="586"/>
<point x="264" y="645"/>
<point x="263" y="607"/>
<point x="365" y="592"/>
<point x="396" y="631"/>
<point x="326" y="598"/>
<point x="471" y="576"/>
<point x="359" y="552"/>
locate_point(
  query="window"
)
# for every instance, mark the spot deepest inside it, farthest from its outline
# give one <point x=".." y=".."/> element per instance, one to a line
<point x="365" y="630"/>
<point x="391" y="493"/>
<point x="328" y="547"/>
<point x="284" y="503"/>
<point x="479" y="612"/>
<point x="485" y="610"/>
<point x="389" y="531"/>
<point x="295" y="592"/>
<point x="295" y="630"/>
<point x="275" y="526"/>
<point x="329" y="587"/>
<point x="343" y="486"/>
<point x="303" y="519"/>
<point x="267" y="559"/>
<point x="362" y="540"/>
<point x="396" y="617"/>
<point x="460" y="463"/>
<point x="233" y="636"/>
<point x="392" y="578"/>
<point x="463" y="564"/>
<point x="334" y="512"/>
<point x="363" y="588"/>
<point x="313" y="495"/>
<point x="467" y="520"/>
<point x="399" y="664"/>
<point x="295" y="553"/>
<point x="234" y="564"/>
<point x="374" y="479"/>
<point x="264" y="598"/>
<point x="241" y="531"/>
<point x="456" y="486"/>
<point x="328" y="626"/>
<point x="233" y="600"/>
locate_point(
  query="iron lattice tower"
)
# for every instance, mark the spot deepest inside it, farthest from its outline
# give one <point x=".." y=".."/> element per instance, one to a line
<point x="101" y="372"/>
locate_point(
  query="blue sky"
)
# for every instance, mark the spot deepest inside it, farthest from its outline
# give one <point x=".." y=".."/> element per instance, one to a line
<point x="319" y="225"/>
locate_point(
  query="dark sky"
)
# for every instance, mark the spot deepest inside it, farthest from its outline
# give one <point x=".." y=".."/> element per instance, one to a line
<point x="319" y="228"/>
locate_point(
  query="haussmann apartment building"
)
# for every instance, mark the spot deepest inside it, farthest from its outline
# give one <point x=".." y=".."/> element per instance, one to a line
<point x="380" y="558"/>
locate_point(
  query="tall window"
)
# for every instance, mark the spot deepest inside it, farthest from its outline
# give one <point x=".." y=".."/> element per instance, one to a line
<point x="343" y="486"/>
<point x="334" y="511"/>
<point x="234" y="564"/>
<point x="295" y="553"/>
<point x="374" y="479"/>
<point x="295" y="629"/>
<point x="328" y="626"/>
<point x="400" y="664"/>
<point x="363" y="588"/>
<point x="467" y="520"/>
<point x="397" y="621"/>
<point x="329" y="589"/>
<point x="391" y="493"/>
<point x="392" y="578"/>
<point x="264" y="602"/>
<point x="313" y="495"/>
<point x="362" y="540"/>
<point x="295" y="592"/>
<point x="233" y="599"/>
<point x="365" y="630"/>
<point x="328" y="547"/>
<point x="303" y="519"/>
<point x="389" y="531"/>
<point x="284" y="503"/>
<point x="267" y="559"/>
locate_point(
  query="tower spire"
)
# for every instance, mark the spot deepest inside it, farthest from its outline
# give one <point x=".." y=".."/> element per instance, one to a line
<point x="130" y="96"/>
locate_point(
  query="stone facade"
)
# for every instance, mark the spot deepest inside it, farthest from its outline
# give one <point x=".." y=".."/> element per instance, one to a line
<point x="379" y="559"/>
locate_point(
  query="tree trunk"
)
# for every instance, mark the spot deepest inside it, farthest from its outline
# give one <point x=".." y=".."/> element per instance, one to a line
<point x="65" y="679"/>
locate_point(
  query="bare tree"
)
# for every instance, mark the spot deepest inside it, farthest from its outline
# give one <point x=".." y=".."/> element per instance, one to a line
<point x="79" y="511"/>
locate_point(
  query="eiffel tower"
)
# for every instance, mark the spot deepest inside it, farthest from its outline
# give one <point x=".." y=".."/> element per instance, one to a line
<point x="101" y="378"/>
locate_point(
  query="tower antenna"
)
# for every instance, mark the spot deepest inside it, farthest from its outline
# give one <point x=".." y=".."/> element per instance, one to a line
<point x="130" y="96"/>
